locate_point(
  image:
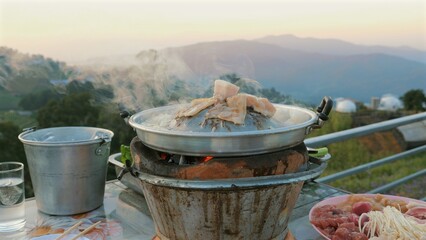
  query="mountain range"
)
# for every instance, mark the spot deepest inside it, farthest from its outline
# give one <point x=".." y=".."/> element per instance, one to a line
<point x="306" y="69"/>
<point x="340" y="48"/>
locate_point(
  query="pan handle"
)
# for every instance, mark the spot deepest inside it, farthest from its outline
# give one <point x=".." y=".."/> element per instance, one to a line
<point x="125" y="115"/>
<point x="323" y="110"/>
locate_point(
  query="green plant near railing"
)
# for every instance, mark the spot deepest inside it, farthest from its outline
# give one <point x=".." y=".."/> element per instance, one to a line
<point x="353" y="152"/>
<point x="363" y="182"/>
<point x="347" y="154"/>
<point x="337" y="122"/>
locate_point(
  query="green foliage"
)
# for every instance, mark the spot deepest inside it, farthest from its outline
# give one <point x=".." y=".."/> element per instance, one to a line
<point x="35" y="100"/>
<point x="157" y="101"/>
<point x="413" y="188"/>
<point x="179" y="90"/>
<point x="360" y="183"/>
<point x="109" y="118"/>
<point x="12" y="150"/>
<point x="337" y="122"/>
<point x="414" y="100"/>
<point x="347" y="154"/>
<point x="351" y="153"/>
<point x="73" y="110"/>
<point x="230" y="77"/>
<point x="24" y="73"/>
<point x="19" y="119"/>
<point x="125" y="154"/>
<point x="100" y="93"/>
<point x="79" y="86"/>
<point x="273" y="95"/>
<point x="8" y="100"/>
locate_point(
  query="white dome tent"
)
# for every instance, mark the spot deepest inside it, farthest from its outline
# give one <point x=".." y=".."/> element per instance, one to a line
<point x="390" y="103"/>
<point x="345" y="105"/>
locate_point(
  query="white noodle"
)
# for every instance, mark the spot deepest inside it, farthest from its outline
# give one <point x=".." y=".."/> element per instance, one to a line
<point x="391" y="224"/>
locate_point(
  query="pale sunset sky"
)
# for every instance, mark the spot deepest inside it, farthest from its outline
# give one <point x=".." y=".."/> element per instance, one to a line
<point x="76" y="30"/>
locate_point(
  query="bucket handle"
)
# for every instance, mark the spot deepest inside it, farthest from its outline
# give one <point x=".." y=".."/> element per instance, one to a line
<point x="29" y="129"/>
<point x="105" y="140"/>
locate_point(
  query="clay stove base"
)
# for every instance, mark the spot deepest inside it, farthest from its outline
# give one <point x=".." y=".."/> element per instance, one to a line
<point x="275" y="163"/>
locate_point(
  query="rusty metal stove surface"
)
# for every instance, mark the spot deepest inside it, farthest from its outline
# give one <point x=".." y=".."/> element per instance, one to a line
<point x="288" y="160"/>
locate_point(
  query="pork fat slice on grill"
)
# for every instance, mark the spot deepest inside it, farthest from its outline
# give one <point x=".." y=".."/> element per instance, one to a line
<point x="234" y="111"/>
<point x="224" y="90"/>
<point x="197" y="105"/>
<point x="260" y="105"/>
<point x="228" y="105"/>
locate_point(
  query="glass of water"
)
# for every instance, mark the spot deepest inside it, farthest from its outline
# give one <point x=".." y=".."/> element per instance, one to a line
<point x="12" y="196"/>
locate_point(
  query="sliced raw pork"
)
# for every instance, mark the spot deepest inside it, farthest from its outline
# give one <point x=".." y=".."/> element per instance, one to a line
<point x="260" y="105"/>
<point x="197" y="105"/>
<point x="417" y="212"/>
<point x="224" y="89"/>
<point x="235" y="111"/>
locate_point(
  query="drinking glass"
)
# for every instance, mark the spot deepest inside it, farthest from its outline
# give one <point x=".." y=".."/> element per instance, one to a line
<point x="12" y="196"/>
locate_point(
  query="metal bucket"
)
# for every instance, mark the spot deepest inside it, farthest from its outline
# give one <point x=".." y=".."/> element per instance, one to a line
<point x="68" y="167"/>
<point x="255" y="208"/>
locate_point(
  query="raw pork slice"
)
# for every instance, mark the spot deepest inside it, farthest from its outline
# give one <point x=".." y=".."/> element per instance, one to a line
<point x="417" y="212"/>
<point x="260" y="105"/>
<point x="224" y="90"/>
<point x="197" y="105"/>
<point x="235" y="111"/>
<point x="238" y="106"/>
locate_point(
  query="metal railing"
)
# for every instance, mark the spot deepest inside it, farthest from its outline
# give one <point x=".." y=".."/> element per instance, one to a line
<point x="365" y="130"/>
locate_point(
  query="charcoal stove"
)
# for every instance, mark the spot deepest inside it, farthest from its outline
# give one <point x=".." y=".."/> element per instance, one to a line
<point x="238" y="182"/>
<point x="248" y="197"/>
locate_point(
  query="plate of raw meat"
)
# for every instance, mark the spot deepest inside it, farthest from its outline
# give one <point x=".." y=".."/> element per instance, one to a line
<point x="369" y="216"/>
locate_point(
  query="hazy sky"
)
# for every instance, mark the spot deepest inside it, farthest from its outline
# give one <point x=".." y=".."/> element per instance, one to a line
<point x="76" y="30"/>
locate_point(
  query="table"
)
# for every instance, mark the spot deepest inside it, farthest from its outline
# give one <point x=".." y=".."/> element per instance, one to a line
<point x="125" y="215"/>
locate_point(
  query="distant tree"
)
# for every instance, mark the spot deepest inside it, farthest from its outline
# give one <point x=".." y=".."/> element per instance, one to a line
<point x="414" y="100"/>
<point x="179" y="90"/>
<point x="35" y="100"/>
<point x="273" y="95"/>
<point x="79" y="86"/>
<point x="100" y="93"/>
<point x="73" y="110"/>
<point x="157" y="101"/>
<point x="230" y="77"/>
<point x="12" y="150"/>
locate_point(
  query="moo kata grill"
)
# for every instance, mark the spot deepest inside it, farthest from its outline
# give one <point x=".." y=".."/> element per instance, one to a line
<point x="239" y="184"/>
<point x="157" y="128"/>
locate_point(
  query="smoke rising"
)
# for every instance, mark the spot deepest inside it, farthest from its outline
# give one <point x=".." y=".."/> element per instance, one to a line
<point x="150" y="79"/>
